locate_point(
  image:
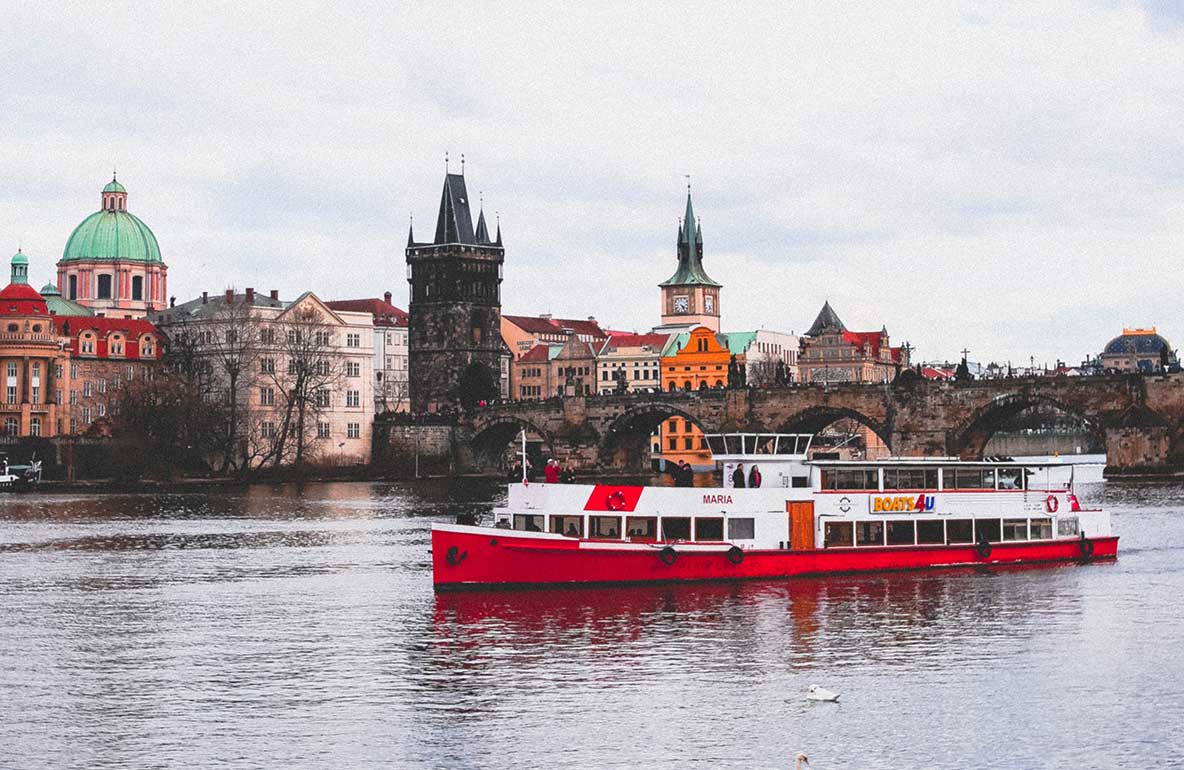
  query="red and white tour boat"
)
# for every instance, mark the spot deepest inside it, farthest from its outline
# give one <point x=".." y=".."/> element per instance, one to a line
<point x="808" y="517"/>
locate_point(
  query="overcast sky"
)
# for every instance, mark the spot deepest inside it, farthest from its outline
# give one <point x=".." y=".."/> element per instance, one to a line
<point x="1008" y="178"/>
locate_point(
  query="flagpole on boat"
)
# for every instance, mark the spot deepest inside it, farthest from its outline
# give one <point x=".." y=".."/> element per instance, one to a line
<point x="524" y="456"/>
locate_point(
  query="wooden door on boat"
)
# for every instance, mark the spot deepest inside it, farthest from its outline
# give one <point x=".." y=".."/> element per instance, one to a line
<point x="801" y="525"/>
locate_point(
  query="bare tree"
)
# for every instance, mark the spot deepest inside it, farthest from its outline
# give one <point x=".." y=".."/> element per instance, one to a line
<point x="304" y="381"/>
<point x="232" y="349"/>
<point x="393" y="395"/>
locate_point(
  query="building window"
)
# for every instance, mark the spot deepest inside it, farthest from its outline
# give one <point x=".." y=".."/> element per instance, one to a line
<point x="138" y="287"/>
<point x="72" y="282"/>
<point x="267" y="335"/>
<point x="73" y="398"/>
<point x="323" y="398"/>
<point x="267" y="365"/>
<point x="12" y="368"/>
<point x="323" y="338"/>
<point x="267" y="396"/>
<point x="87" y="390"/>
<point x="86" y="414"/>
<point x="12" y="426"/>
<point x="322" y="430"/>
<point x="102" y="410"/>
<point x="57" y="371"/>
<point x="58" y="397"/>
<point x="353" y="430"/>
<point x="353" y="369"/>
<point x="323" y="367"/>
<point x="104" y="287"/>
<point x="12" y="394"/>
<point x="353" y="340"/>
<point x="267" y="429"/>
<point x="102" y="386"/>
<point x="73" y="371"/>
<point x="36" y="394"/>
<point x="353" y="398"/>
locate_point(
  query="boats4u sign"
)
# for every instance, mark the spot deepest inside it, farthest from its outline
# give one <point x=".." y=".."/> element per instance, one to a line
<point x="902" y="503"/>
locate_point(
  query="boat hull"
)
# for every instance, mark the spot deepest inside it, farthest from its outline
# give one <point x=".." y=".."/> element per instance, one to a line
<point x="474" y="557"/>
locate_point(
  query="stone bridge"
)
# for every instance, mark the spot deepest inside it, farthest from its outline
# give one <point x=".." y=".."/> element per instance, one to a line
<point x="1140" y="420"/>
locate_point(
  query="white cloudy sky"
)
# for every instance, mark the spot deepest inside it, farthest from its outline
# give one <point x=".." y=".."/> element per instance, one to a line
<point x="1004" y="177"/>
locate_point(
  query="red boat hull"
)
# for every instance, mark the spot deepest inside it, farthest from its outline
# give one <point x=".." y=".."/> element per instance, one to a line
<point x="481" y="557"/>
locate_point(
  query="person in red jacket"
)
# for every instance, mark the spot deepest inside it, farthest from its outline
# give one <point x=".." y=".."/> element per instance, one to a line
<point x="551" y="474"/>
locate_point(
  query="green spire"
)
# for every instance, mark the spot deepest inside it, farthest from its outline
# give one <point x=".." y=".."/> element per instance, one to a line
<point x="690" y="253"/>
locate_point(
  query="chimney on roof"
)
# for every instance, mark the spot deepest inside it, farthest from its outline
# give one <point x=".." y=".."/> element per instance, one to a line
<point x="387" y="297"/>
<point x="275" y="294"/>
<point x="592" y="318"/>
<point x="250" y="296"/>
<point x="229" y="296"/>
<point x="205" y="297"/>
<point x="545" y="316"/>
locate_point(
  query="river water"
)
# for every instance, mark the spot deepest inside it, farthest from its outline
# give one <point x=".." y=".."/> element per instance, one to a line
<point x="287" y="627"/>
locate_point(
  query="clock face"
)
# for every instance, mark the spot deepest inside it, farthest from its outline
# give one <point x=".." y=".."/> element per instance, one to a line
<point x="709" y="303"/>
<point x="681" y="304"/>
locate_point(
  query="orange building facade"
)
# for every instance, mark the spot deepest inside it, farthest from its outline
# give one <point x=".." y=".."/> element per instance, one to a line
<point x="700" y="364"/>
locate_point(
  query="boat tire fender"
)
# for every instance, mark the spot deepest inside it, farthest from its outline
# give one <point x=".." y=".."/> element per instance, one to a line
<point x="454" y="555"/>
<point x="1086" y="546"/>
<point x="735" y="555"/>
<point x="983" y="549"/>
<point x="668" y="556"/>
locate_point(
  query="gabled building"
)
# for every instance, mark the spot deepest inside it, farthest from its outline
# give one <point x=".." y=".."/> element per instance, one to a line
<point x="455" y="350"/>
<point x="391" y="380"/>
<point x="689" y="297"/>
<point x="551" y="369"/>
<point x="523" y="332"/>
<point x="832" y="353"/>
<point x="286" y="356"/>
<point x="632" y="359"/>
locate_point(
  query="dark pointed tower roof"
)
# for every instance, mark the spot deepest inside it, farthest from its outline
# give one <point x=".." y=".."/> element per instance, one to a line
<point x="690" y="253"/>
<point x="411" y="234"/>
<point x="482" y="234"/>
<point x="827" y="321"/>
<point x="454" y="224"/>
<point x="497" y="241"/>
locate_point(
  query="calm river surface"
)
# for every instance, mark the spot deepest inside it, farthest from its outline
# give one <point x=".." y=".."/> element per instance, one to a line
<point x="296" y="628"/>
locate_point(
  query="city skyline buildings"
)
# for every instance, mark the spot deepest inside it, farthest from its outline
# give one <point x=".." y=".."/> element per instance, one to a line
<point x="954" y="198"/>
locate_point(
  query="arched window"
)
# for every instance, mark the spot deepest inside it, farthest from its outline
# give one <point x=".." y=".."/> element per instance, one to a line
<point x="672" y="386"/>
<point x="686" y="385"/>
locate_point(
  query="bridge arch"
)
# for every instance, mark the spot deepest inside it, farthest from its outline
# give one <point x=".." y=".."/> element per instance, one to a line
<point x="970" y="438"/>
<point x="490" y="438"/>
<point x="815" y="419"/>
<point x="626" y="440"/>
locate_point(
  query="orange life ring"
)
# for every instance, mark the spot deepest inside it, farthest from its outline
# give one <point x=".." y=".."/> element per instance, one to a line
<point x="1051" y="503"/>
<point x="616" y="500"/>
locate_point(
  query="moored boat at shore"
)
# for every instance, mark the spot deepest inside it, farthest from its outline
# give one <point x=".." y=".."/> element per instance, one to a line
<point x="808" y="517"/>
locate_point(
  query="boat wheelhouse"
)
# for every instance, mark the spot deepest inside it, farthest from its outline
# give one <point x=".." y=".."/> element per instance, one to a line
<point x="807" y="516"/>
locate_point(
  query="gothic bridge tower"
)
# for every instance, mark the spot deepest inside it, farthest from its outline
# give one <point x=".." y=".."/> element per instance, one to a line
<point x="455" y="342"/>
<point x="689" y="297"/>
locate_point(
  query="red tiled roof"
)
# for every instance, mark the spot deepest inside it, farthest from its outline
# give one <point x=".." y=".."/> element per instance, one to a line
<point x="859" y="339"/>
<point x="933" y="373"/>
<point x="383" y="312"/>
<point x="102" y="326"/>
<point x="21" y="299"/>
<point x="539" y="325"/>
<point x="630" y="340"/>
<point x="537" y="353"/>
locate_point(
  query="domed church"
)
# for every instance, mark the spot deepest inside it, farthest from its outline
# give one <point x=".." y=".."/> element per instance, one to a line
<point x="112" y="261"/>
<point x="1138" y="350"/>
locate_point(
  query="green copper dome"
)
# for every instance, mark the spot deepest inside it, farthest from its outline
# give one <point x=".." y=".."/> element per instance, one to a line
<point x="19" y="258"/>
<point x="49" y="288"/>
<point x="112" y="233"/>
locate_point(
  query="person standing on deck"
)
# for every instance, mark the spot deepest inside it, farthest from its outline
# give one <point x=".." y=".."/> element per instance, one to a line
<point x="551" y="473"/>
<point x="738" y="476"/>
<point x="754" y="477"/>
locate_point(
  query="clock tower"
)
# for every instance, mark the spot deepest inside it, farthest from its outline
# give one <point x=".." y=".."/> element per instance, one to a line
<point x="689" y="297"/>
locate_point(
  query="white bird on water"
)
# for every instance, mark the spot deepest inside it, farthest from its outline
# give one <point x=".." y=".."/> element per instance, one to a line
<point x="799" y="760"/>
<point x="821" y="693"/>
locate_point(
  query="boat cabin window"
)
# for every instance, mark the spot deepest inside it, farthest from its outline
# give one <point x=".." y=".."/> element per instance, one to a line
<point x="676" y="529"/>
<point x="641" y="527"/>
<point x="910" y="478"/>
<point x="709" y="529"/>
<point x="850" y="478"/>
<point x="1068" y="526"/>
<point x="986" y="529"/>
<point x="930" y="532"/>
<point x="968" y="478"/>
<point x="528" y="523"/>
<point x="604" y="527"/>
<point x="901" y="533"/>
<point x="838" y="534"/>
<point x="1015" y="529"/>
<point x="741" y="529"/>
<point x="717" y="445"/>
<point x="959" y="531"/>
<point x="765" y="445"/>
<point x="572" y="526"/>
<point x="869" y="533"/>
<point x="1011" y="478"/>
<point x="1041" y="529"/>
